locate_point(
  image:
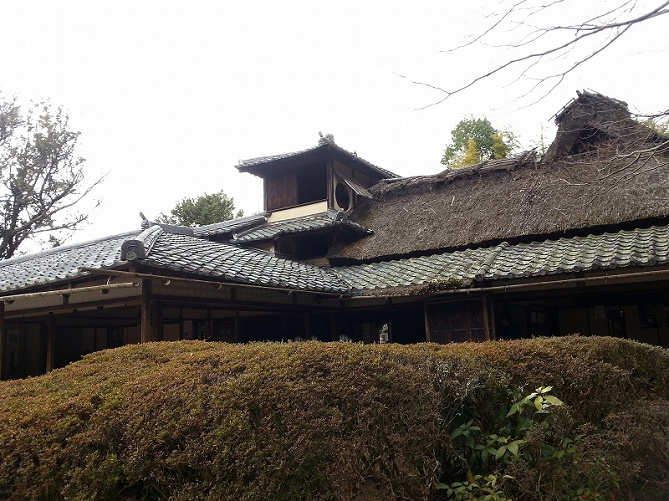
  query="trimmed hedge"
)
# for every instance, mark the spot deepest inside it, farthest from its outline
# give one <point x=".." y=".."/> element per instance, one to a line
<point x="195" y="420"/>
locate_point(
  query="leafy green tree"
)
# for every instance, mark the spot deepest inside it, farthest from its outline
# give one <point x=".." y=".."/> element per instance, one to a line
<point x="202" y="210"/>
<point x="474" y="140"/>
<point x="41" y="177"/>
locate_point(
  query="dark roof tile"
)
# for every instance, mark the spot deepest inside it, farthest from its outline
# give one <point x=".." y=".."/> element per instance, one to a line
<point x="305" y="224"/>
<point x="251" y="164"/>
<point x="61" y="263"/>
<point x="214" y="260"/>
<point x="182" y="253"/>
<point x="550" y="257"/>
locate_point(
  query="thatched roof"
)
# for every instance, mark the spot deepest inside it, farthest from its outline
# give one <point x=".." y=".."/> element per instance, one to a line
<point x="603" y="171"/>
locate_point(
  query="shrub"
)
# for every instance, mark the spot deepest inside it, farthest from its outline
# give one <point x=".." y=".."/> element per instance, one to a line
<point x="195" y="420"/>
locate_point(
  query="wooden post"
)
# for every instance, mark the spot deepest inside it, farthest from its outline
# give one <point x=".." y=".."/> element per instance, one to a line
<point x="156" y="322"/>
<point x="330" y="182"/>
<point x="145" y="325"/>
<point x="333" y="328"/>
<point x="307" y="327"/>
<point x="238" y="328"/>
<point x="3" y="337"/>
<point x="428" y="337"/>
<point x="50" y="343"/>
<point x="486" y="323"/>
<point x="491" y="318"/>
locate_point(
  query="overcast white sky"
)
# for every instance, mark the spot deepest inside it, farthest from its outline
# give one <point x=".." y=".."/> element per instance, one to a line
<point x="169" y="95"/>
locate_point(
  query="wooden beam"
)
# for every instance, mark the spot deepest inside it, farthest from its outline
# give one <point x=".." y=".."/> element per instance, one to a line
<point x="307" y="326"/>
<point x="491" y="318"/>
<point x="428" y="337"/>
<point x="71" y="309"/>
<point x="145" y="317"/>
<point x="156" y="321"/>
<point x="486" y="320"/>
<point x="333" y="328"/>
<point x="65" y="293"/>
<point x="238" y="328"/>
<point x="329" y="170"/>
<point x="3" y="337"/>
<point x="50" y="342"/>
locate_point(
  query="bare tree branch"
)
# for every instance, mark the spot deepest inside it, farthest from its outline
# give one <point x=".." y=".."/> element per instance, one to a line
<point x="483" y="34"/>
<point x="533" y="47"/>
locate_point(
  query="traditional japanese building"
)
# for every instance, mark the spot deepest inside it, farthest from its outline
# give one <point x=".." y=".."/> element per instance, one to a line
<point x="573" y="241"/>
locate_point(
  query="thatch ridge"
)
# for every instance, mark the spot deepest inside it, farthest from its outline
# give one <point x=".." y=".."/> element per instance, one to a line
<point x="419" y="184"/>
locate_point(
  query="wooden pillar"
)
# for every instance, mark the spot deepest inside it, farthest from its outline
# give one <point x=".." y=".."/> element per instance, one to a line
<point x="333" y="328"/>
<point x="428" y="337"/>
<point x="307" y="327"/>
<point x="490" y="310"/>
<point x="486" y="322"/>
<point x="3" y="338"/>
<point x="151" y="316"/>
<point x="145" y="320"/>
<point x="156" y="322"/>
<point x="50" y="343"/>
<point x="238" y="328"/>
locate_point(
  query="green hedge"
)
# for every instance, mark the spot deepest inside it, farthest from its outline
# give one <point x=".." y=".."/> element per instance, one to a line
<point x="301" y="421"/>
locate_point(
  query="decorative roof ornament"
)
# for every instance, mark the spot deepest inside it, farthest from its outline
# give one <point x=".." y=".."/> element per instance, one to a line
<point x="145" y="222"/>
<point x="325" y="139"/>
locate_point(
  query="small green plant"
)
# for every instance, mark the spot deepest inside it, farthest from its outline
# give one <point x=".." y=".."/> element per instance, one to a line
<point x="596" y="479"/>
<point x="481" y="488"/>
<point x="488" y="453"/>
<point x="481" y="450"/>
<point x="539" y="398"/>
<point x="484" y="452"/>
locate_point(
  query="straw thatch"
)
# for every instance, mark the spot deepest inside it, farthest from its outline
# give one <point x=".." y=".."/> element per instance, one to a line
<point x="603" y="171"/>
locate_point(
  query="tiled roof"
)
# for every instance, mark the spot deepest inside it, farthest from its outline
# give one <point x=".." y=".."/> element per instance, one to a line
<point x="272" y="158"/>
<point x="203" y="258"/>
<point x="244" y="165"/>
<point x="303" y="224"/>
<point x="210" y="230"/>
<point x="455" y="267"/>
<point x="61" y="263"/>
<point x="231" y="226"/>
<point x="639" y="247"/>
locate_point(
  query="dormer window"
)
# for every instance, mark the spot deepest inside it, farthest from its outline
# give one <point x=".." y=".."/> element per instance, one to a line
<point x="326" y="173"/>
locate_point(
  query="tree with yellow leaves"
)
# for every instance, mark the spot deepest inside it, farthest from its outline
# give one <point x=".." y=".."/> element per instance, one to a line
<point x="474" y="140"/>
